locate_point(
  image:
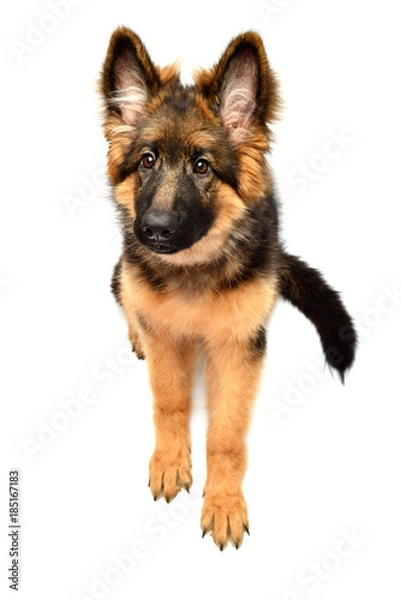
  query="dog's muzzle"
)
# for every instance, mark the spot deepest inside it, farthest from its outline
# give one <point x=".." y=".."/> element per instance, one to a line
<point x="159" y="229"/>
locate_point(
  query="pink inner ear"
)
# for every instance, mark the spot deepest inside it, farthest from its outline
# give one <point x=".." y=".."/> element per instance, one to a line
<point x="239" y="95"/>
<point x="131" y="94"/>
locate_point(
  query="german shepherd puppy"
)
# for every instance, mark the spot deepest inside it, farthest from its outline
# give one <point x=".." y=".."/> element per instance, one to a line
<point x="202" y="264"/>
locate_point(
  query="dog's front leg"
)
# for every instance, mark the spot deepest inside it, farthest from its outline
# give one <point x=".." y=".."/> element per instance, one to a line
<point x="170" y="365"/>
<point x="233" y="373"/>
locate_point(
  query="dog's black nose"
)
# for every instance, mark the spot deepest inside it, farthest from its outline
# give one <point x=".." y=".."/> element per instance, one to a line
<point x="159" y="225"/>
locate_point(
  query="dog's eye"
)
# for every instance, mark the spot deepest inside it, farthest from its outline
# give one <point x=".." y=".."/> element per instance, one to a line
<point x="201" y="166"/>
<point x="148" y="160"/>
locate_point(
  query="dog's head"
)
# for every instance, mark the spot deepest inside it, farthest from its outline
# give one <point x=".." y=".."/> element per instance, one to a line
<point x="187" y="161"/>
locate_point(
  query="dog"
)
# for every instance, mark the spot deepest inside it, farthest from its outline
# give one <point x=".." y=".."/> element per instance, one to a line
<point x="203" y="265"/>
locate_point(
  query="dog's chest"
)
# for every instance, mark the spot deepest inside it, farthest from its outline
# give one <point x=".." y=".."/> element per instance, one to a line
<point x="208" y="315"/>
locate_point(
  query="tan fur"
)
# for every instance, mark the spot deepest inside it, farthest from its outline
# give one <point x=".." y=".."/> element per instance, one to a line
<point x="123" y="193"/>
<point x="255" y="175"/>
<point x="222" y="324"/>
<point x="232" y="380"/>
<point x="204" y="316"/>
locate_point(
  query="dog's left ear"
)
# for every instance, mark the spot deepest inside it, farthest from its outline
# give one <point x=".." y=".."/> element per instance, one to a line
<point x="129" y="77"/>
<point x="129" y="80"/>
<point x="242" y="87"/>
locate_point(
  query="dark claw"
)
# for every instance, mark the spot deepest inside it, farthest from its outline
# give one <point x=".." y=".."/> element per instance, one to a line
<point x="221" y="547"/>
<point x="204" y="533"/>
<point x="187" y="488"/>
<point x="246" y="529"/>
<point x="168" y="500"/>
<point x="155" y="498"/>
<point x="237" y="545"/>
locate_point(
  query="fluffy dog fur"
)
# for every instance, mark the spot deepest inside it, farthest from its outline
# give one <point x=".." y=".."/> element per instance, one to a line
<point x="202" y="264"/>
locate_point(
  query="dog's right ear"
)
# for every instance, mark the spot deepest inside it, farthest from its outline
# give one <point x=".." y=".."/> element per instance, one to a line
<point x="129" y="78"/>
<point x="242" y="88"/>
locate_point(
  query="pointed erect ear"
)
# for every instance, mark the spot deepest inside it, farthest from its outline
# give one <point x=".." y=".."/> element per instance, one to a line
<point x="128" y="78"/>
<point x="242" y="87"/>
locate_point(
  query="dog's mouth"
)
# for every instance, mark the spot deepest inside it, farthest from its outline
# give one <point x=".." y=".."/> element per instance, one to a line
<point x="162" y="248"/>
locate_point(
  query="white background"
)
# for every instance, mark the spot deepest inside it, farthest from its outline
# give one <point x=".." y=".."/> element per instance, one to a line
<point x="323" y="459"/>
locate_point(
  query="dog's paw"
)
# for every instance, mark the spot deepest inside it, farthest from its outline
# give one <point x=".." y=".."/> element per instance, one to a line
<point x="169" y="473"/>
<point x="225" y="517"/>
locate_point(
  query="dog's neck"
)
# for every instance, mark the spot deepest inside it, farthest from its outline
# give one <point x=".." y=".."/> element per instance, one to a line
<point x="249" y="252"/>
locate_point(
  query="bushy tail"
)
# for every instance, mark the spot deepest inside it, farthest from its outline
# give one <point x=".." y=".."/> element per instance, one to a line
<point x="306" y="289"/>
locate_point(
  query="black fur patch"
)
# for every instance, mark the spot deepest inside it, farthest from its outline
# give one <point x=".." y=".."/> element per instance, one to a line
<point x="306" y="289"/>
<point x="258" y="342"/>
<point x="258" y="244"/>
<point x="143" y="323"/>
<point x="115" y="281"/>
<point x="193" y="215"/>
<point x="151" y="275"/>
